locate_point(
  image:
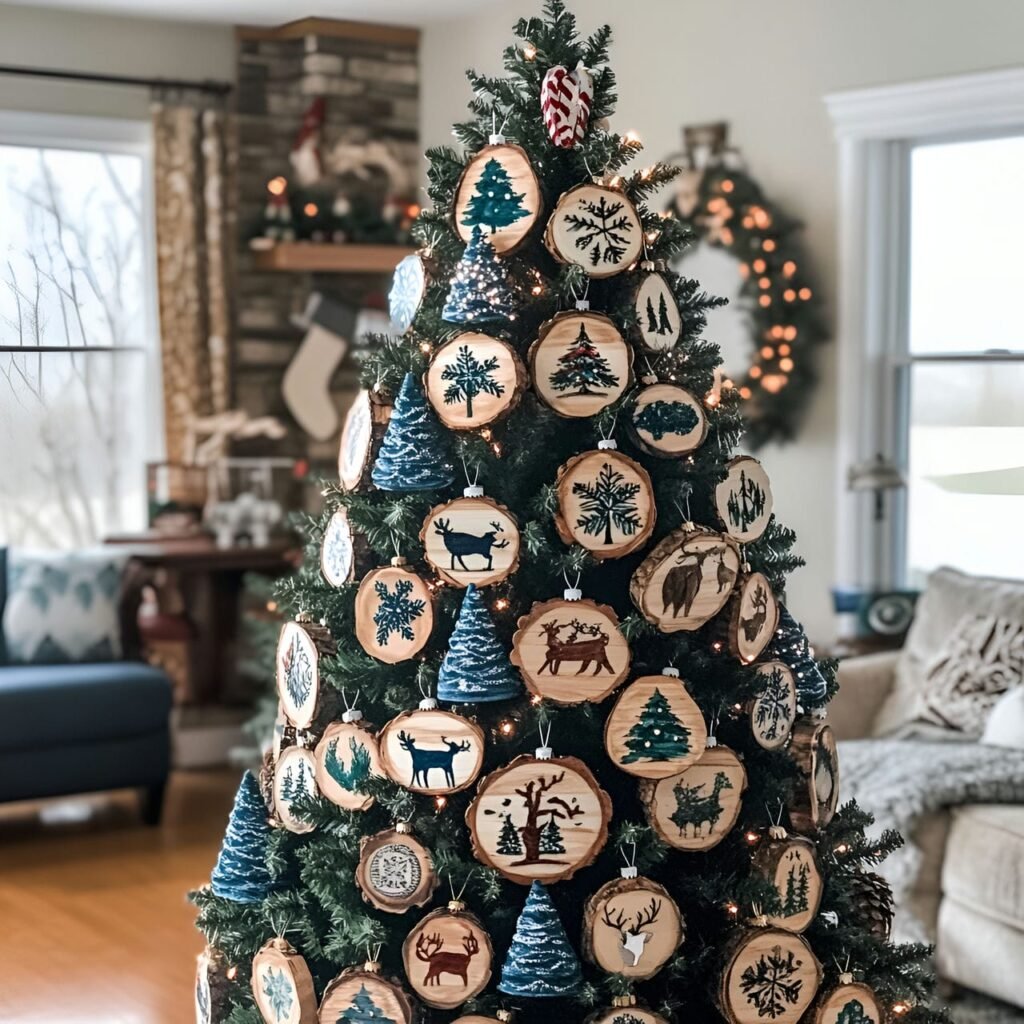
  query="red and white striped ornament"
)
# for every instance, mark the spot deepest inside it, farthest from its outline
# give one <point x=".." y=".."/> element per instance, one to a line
<point x="565" y="101"/>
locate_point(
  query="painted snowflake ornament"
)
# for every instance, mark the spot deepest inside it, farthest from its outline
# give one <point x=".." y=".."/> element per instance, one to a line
<point x="566" y="98"/>
<point x="394" y="613"/>
<point x="282" y="985"/>
<point x="408" y="287"/>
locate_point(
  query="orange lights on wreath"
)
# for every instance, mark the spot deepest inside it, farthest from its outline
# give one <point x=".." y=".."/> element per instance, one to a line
<point x="311" y="209"/>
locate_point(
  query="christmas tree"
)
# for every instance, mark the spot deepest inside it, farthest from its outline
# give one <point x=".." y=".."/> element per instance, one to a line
<point x="546" y="826"/>
<point x="241" y="874"/>
<point x="658" y="735"/>
<point x="494" y="203"/>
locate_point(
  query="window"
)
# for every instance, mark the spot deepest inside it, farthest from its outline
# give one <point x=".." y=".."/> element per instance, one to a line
<point x="79" y="385"/>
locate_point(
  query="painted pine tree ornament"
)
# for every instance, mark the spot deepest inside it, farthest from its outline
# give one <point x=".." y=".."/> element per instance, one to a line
<point x="448" y="957"/>
<point x="474" y="380"/>
<point x="659" y="324"/>
<point x="294" y="781"/>
<point x="790" y="864"/>
<point x="570" y="650"/>
<point x="414" y="455"/>
<point x="394" y="612"/>
<point x="480" y="291"/>
<point x="850" y="1002"/>
<point x="476" y="667"/>
<point x="596" y="227"/>
<point x="605" y="502"/>
<point x="754" y="617"/>
<point x="624" y="1010"/>
<point x="667" y="421"/>
<point x="241" y="874"/>
<point x="580" y="363"/>
<point x="408" y="289"/>
<point x="337" y="550"/>
<point x="346" y="759"/>
<point x="360" y="995"/>
<point x="395" y="870"/>
<point x="498" y="192"/>
<point x="686" y="579"/>
<point x="566" y="98"/>
<point x="299" y="648"/>
<point x="282" y="985"/>
<point x="744" y="499"/>
<point x="362" y="432"/>
<point x="471" y="539"/>
<point x="816" y="796"/>
<point x="773" y="711"/>
<point x="655" y="729"/>
<point x="540" y="963"/>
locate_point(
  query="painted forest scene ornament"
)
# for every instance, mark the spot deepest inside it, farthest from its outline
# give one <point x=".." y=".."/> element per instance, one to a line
<point x="294" y="780"/>
<point x="595" y="227"/>
<point x="395" y="870"/>
<point x="408" y="289"/>
<point x="471" y="539"/>
<point x="241" y="873"/>
<point x="346" y="759"/>
<point x="394" y="613"/>
<point x="773" y="710"/>
<point x="658" y="321"/>
<point x="667" y="421"/>
<point x="566" y="98"/>
<point x="361" y="995"/>
<point x="299" y="648"/>
<point x="364" y="425"/>
<point x="337" y="552"/>
<point x="744" y="499"/>
<point x="755" y="615"/>
<point x="791" y="865"/>
<point x="282" y="985"/>
<point x="480" y="291"/>
<point x="850" y="1002"/>
<point x="816" y="795"/>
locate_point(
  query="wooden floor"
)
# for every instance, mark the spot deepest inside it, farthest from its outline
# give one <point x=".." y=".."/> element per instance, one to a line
<point x="94" y="922"/>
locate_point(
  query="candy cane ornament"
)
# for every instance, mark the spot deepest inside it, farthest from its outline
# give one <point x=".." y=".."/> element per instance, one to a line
<point x="565" y="101"/>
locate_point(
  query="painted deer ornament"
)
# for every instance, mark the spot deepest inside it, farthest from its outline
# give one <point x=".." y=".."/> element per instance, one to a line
<point x="633" y="938"/>
<point x="430" y="949"/>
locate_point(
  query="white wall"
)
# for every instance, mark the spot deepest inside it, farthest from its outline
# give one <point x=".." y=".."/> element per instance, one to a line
<point x="764" y="68"/>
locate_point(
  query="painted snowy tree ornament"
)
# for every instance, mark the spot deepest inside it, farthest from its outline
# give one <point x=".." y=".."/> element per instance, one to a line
<point x="448" y="956"/>
<point x="294" y="780"/>
<point x="565" y="102"/>
<point x="471" y="539"/>
<point x="363" y="429"/>
<point x="605" y="502"/>
<point x="790" y="645"/>
<point x="414" y="455"/>
<point x="540" y="963"/>
<point x="282" y="985"/>
<point x="773" y="710"/>
<point x="658" y="321"/>
<point x="299" y="649"/>
<point x="408" y="288"/>
<point x="790" y="864"/>
<point x="240" y="873"/>
<point x="816" y="796"/>
<point x="850" y="1002"/>
<point x="595" y="227"/>
<point x="346" y="759"/>
<point x="337" y="551"/>
<point x="667" y="421"/>
<point x="360" y="995"/>
<point x="624" y="1010"/>
<point x="755" y="615"/>
<point x="480" y="291"/>
<point x="744" y="499"/>
<point x="394" y="613"/>
<point x="655" y="729"/>
<point x="580" y="363"/>
<point x="476" y="666"/>
<point x="498" y="192"/>
<point x="395" y="870"/>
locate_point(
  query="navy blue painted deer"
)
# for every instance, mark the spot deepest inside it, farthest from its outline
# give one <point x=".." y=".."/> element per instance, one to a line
<point x="423" y="761"/>
<point x="459" y="545"/>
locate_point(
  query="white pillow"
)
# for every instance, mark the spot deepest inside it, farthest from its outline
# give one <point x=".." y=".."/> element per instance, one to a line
<point x="1005" y="725"/>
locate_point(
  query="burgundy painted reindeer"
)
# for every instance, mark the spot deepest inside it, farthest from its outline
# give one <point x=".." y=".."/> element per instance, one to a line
<point x="459" y="544"/>
<point x="588" y="651"/>
<point x="682" y="582"/>
<point x="430" y="949"/>
<point x="632" y="937"/>
<point x="423" y="761"/>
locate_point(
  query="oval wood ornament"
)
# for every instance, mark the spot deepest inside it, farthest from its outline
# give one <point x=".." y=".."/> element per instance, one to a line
<point x="625" y="1012"/>
<point x="605" y="502"/>
<point x="431" y="751"/>
<point x="539" y="818"/>
<point x="580" y="363"/>
<point x="816" y="795"/>
<point x="408" y="289"/>
<point x="337" y="552"/>
<point x="282" y="985"/>
<point x="773" y="710"/>
<point x="474" y="380"/>
<point x="346" y="757"/>
<point x="597" y="228"/>
<point x="850" y="1002"/>
<point x="755" y="617"/>
<point x="499" y="191"/>
<point x="697" y="808"/>
<point x="299" y="647"/>
<point x="394" y="612"/>
<point x="771" y="975"/>
<point x="363" y="429"/>
<point x="686" y="579"/>
<point x="294" y="779"/>
<point x="655" y="729"/>
<point x="667" y="421"/>
<point x="363" y="993"/>
<point x="448" y="957"/>
<point x="570" y="650"/>
<point x="395" y="870"/>
<point x="471" y="539"/>
<point x="744" y="499"/>
<point x="790" y="864"/>
<point x="658" y="321"/>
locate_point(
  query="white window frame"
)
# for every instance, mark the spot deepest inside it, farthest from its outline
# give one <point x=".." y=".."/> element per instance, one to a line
<point x="876" y="129"/>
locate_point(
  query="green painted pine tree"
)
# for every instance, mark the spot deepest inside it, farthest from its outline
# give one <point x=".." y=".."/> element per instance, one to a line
<point x="582" y="370"/>
<point x="660" y="418"/>
<point x="495" y="204"/>
<point x="658" y="735"/>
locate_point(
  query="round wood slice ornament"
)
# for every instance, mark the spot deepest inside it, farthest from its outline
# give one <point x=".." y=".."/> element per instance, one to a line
<point x="790" y="864"/>
<point x="597" y="228"/>
<point x="667" y="421"/>
<point x="337" y="551"/>
<point x="580" y="363"/>
<point x="816" y="795"/>
<point x="394" y="613"/>
<point x="570" y="650"/>
<point x="211" y="986"/>
<point x="361" y="433"/>
<point x="294" y="779"/>
<point x="658" y="321"/>
<point x="448" y="957"/>
<point x="346" y="757"/>
<point x="471" y="539"/>
<point x="850" y="1002"/>
<point x="755" y="616"/>
<point x="773" y="710"/>
<point x="771" y="975"/>
<point x="299" y="647"/>
<point x="539" y="818"/>
<point x="631" y="926"/>
<point x="605" y="502"/>
<point x="503" y="1017"/>
<point x="697" y="808"/>
<point x="686" y="579"/>
<point x="364" y="994"/>
<point x="744" y="499"/>
<point x="474" y="380"/>
<point x="408" y="289"/>
<point x="282" y="985"/>
<point x="624" y="1010"/>
<point x="431" y="751"/>
<point x="395" y="870"/>
<point x="499" y="192"/>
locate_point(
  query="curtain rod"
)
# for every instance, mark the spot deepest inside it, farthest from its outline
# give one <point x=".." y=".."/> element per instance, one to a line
<point x="208" y="85"/>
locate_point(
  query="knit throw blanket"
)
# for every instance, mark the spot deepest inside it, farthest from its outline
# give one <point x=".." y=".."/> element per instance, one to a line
<point x="901" y="781"/>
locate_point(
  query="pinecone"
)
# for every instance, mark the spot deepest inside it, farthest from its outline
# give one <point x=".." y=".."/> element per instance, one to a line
<point x="872" y="898"/>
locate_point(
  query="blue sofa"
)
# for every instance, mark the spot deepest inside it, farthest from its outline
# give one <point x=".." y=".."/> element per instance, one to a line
<point x="85" y="727"/>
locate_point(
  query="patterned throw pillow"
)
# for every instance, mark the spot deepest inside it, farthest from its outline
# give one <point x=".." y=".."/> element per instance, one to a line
<point x="62" y="606"/>
<point x="983" y="658"/>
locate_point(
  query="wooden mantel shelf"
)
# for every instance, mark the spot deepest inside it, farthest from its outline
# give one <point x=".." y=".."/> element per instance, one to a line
<point x="329" y="258"/>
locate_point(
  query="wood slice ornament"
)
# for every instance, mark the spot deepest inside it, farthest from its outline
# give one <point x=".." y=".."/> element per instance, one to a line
<point x="570" y="650"/>
<point x="408" y="289"/>
<point x="282" y="985"/>
<point x="790" y="864"/>
<point x="580" y="363"/>
<point x="655" y="729"/>
<point x="395" y="870"/>
<point x="394" y="612"/>
<point x="850" y="1002"/>
<point x="624" y="1010"/>
<point x="755" y="617"/>
<point x="474" y="380"/>
<point x="816" y="795"/>
<point x="502" y="1017"/>
<point x="659" y="324"/>
<point x="364" y="994"/>
<point x="294" y="779"/>
<point x="337" y="550"/>
<point x="744" y="499"/>
<point x="773" y="710"/>
<point x="596" y="227"/>
<point x="686" y="579"/>
<point x="471" y="539"/>
<point x="697" y="808"/>
<point x="361" y="434"/>
<point x="605" y="502"/>
<point x="667" y="421"/>
<point x="346" y="758"/>
<point x="300" y="646"/>
<point x="211" y="986"/>
<point x="448" y="957"/>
